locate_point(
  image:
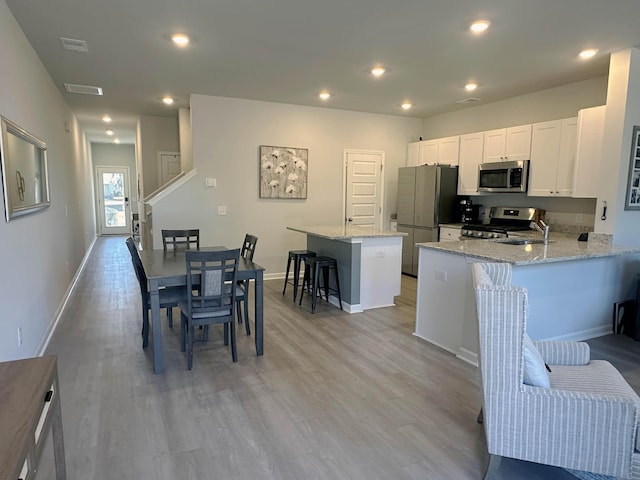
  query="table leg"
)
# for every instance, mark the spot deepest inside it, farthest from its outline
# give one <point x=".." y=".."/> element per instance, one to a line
<point x="259" y="320"/>
<point x="156" y="329"/>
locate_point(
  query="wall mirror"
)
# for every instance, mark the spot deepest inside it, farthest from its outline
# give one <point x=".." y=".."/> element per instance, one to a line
<point x="25" y="180"/>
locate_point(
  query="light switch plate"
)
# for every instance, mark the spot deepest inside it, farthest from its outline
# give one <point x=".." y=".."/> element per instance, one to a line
<point x="210" y="182"/>
<point x="222" y="210"/>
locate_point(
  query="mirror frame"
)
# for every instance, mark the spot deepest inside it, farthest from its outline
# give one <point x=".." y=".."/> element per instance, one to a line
<point x="10" y="164"/>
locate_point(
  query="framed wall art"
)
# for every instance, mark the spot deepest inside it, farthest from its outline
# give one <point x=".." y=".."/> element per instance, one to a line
<point x="632" y="201"/>
<point x="283" y="172"/>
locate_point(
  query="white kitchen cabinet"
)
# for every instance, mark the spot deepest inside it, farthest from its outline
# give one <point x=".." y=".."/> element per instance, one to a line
<point x="449" y="234"/>
<point x="439" y="151"/>
<point x="552" y="158"/>
<point x="413" y="154"/>
<point x="471" y="151"/>
<point x="448" y="150"/>
<point x="588" y="152"/>
<point x="428" y="152"/>
<point x="507" y="144"/>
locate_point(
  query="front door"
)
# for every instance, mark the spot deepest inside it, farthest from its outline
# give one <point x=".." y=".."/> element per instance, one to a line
<point x="363" y="189"/>
<point x="113" y="200"/>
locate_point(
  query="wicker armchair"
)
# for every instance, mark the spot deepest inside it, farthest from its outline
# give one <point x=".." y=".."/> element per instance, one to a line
<point x="586" y="419"/>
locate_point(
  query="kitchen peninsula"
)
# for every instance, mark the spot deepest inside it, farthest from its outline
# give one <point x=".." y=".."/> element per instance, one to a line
<point x="571" y="285"/>
<point x="369" y="262"/>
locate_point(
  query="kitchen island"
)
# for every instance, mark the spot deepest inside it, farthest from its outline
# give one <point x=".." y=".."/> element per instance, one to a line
<point x="572" y="287"/>
<point x="369" y="262"/>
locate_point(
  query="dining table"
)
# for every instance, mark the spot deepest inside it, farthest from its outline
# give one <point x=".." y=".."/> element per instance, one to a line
<point x="169" y="269"/>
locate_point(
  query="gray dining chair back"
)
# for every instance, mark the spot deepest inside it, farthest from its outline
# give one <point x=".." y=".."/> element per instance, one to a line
<point x="181" y="239"/>
<point x="249" y="246"/>
<point x="169" y="297"/>
<point x="211" y="297"/>
<point x="247" y="251"/>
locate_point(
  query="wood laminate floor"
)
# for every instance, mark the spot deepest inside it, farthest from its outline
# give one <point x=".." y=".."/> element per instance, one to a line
<point x="335" y="396"/>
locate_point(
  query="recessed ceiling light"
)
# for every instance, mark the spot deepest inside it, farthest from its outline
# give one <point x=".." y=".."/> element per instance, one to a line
<point x="588" y="53"/>
<point x="471" y="86"/>
<point x="479" y="26"/>
<point x="116" y="140"/>
<point x="378" y="71"/>
<point x="180" y="39"/>
<point x="109" y="132"/>
<point x="106" y="119"/>
<point x="324" y="95"/>
<point x="406" y="105"/>
<point x="167" y="100"/>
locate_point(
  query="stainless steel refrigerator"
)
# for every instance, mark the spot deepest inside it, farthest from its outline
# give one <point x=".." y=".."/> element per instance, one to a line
<point x="426" y="198"/>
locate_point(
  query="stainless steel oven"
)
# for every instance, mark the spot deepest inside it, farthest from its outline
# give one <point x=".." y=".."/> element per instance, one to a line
<point x="502" y="222"/>
<point x="503" y="176"/>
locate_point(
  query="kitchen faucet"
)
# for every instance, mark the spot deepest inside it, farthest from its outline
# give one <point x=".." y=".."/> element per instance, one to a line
<point x="544" y="230"/>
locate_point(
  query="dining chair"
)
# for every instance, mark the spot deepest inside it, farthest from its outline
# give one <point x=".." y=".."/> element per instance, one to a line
<point x="181" y="239"/>
<point x="211" y="297"/>
<point x="242" y="294"/>
<point x="169" y="297"/>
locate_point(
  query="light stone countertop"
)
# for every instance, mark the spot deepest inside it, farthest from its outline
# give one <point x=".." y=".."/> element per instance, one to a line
<point x="342" y="232"/>
<point x="561" y="248"/>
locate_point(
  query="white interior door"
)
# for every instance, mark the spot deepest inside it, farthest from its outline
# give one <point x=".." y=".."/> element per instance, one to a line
<point x="113" y="200"/>
<point x="169" y="166"/>
<point x="363" y="189"/>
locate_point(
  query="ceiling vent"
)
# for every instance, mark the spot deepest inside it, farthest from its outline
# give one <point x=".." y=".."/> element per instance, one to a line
<point x="468" y="100"/>
<point x="74" y="45"/>
<point x="83" y="89"/>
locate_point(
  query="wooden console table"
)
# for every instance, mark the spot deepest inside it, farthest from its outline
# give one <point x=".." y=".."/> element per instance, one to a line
<point x="29" y="409"/>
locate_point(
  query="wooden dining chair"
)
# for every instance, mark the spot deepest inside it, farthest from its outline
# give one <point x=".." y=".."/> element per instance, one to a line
<point x="181" y="239"/>
<point x="211" y="297"/>
<point x="242" y="295"/>
<point x="169" y="297"/>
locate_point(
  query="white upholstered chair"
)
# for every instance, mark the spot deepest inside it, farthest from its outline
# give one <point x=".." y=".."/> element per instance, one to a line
<point x="584" y="416"/>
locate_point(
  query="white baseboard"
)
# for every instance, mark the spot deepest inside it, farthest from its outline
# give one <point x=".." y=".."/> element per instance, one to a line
<point x="587" y="334"/>
<point x="443" y="347"/>
<point x="468" y="356"/>
<point x="63" y="304"/>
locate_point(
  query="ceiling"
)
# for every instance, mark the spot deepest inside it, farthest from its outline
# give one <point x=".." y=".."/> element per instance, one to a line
<point x="288" y="50"/>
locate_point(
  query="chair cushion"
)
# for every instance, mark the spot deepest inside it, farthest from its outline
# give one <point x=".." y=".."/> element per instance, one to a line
<point x="535" y="372"/>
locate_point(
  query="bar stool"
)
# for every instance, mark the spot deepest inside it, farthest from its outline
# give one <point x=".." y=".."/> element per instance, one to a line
<point x="298" y="256"/>
<point x="315" y="265"/>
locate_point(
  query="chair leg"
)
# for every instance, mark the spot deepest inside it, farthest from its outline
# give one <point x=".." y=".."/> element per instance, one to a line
<point x="234" y="353"/>
<point x="183" y="332"/>
<point x="145" y="326"/>
<point x="286" y="277"/>
<point x="226" y="333"/>
<point x="492" y="466"/>
<point x="305" y="283"/>
<point x="239" y="310"/>
<point x="338" y="288"/>
<point x="296" y="276"/>
<point x="190" y="333"/>
<point x="170" y="316"/>
<point x="314" y="289"/>
<point x="247" y="328"/>
<point x="480" y="416"/>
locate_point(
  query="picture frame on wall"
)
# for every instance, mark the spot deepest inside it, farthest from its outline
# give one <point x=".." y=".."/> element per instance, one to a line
<point x="283" y="172"/>
<point x="632" y="201"/>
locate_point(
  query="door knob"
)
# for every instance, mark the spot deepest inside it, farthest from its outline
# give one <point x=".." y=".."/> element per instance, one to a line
<point x="350" y="219"/>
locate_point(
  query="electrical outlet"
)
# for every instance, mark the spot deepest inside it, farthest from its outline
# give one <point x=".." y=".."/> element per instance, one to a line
<point x="19" y="336"/>
<point x="222" y="210"/>
<point x="441" y="275"/>
<point x="579" y="218"/>
<point x="379" y="253"/>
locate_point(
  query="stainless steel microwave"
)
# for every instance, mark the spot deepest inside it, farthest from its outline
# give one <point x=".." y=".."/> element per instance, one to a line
<point x="503" y="176"/>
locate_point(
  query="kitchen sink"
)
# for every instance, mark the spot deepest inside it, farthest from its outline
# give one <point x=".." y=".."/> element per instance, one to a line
<point x="519" y="241"/>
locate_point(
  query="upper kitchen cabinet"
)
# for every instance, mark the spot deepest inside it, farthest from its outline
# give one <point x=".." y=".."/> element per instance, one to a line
<point x="439" y="151"/>
<point x="413" y="154"/>
<point x="553" y="151"/>
<point x="471" y="151"/>
<point x="589" y="152"/>
<point x="507" y="144"/>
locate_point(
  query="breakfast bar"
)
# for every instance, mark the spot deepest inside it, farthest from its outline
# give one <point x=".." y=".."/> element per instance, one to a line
<point x="571" y="285"/>
<point x="369" y="262"/>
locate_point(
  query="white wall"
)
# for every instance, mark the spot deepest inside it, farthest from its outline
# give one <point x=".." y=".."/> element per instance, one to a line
<point x="227" y="134"/>
<point x="186" y="142"/>
<point x="39" y="253"/>
<point x="549" y="104"/>
<point x="155" y="134"/>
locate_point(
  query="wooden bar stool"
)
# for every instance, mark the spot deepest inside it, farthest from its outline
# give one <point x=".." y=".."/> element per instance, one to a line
<point x="316" y="265"/>
<point x="298" y="256"/>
